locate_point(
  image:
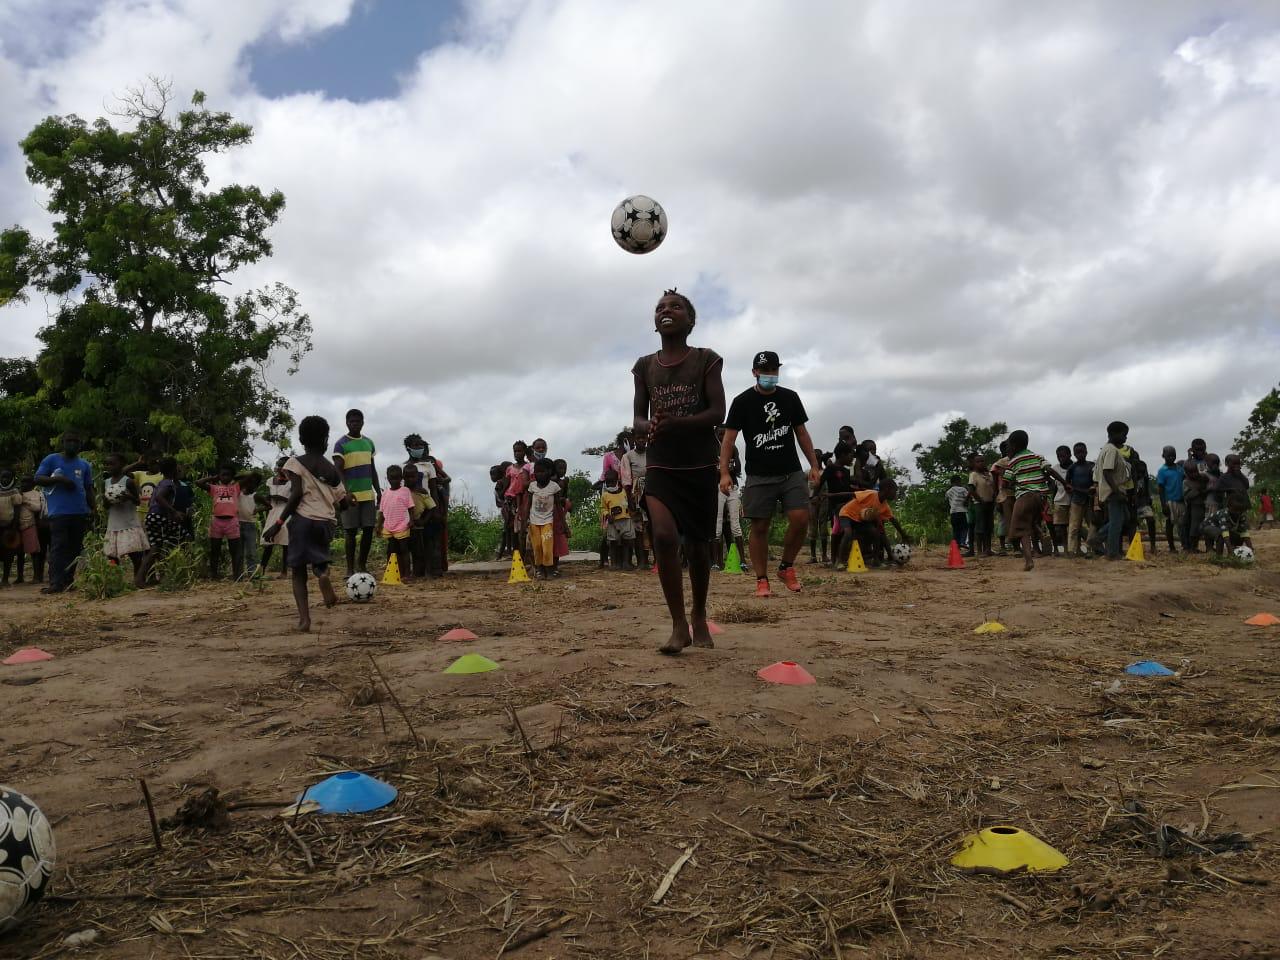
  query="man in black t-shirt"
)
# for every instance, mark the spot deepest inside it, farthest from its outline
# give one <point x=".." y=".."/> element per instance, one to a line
<point x="771" y="420"/>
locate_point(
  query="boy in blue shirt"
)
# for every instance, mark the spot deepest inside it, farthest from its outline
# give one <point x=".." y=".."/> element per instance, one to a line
<point x="1169" y="481"/>
<point x="68" y="483"/>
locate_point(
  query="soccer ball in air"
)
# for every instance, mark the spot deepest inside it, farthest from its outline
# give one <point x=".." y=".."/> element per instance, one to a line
<point x="901" y="552"/>
<point x="26" y="856"/>
<point x="1243" y="554"/>
<point x="361" y="587"/>
<point x="639" y="224"/>
<point x="114" y="494"/>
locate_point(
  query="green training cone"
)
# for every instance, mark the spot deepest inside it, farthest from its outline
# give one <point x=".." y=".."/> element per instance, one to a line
<point x="472" y="663"/>
<point x="732" y="561"/>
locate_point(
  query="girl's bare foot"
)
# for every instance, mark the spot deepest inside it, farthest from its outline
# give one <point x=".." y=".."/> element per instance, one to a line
<point x="700" y="634"/>
<point x="678" y="641"/>
<point x="1029" y="565"/>
<point x="304" y="624"/>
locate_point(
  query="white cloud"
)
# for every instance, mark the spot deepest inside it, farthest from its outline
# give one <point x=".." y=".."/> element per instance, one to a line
<point x="1049" y="215"/>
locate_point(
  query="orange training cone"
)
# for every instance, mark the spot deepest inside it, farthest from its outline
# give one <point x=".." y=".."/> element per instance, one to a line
<point x="1257" y="620"/>
<point x="458" y="633"/>
<point x="786" y="672"/>
<point x="954" y="560"/>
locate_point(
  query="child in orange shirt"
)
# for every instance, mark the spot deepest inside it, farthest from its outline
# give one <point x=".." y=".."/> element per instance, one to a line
<point x="863" y="518"/>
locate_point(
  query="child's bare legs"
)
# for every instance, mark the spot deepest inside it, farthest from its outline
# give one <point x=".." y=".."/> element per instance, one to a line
<point x="326" y="588"/>
<point x="300" y="597"/>
<point x="236" y="547"/>
<point x="215" y="559"/>
<point x="699" y="557"/>
<point x="666" y="552"/>
<point x="139" y="570"/>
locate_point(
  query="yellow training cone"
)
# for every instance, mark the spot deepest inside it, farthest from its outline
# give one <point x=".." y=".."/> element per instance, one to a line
<point x="391" y="575"/>
<point x="1135" y="550"/>
<point x="518" y="573"/>
<point x="855" y="560"/>
<point x="1004" y="849"/>
<point x="471" y="663"/>
<point x="991" y="626"/>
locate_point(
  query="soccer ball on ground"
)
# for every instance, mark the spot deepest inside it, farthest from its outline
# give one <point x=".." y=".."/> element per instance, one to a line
<point x="901" y="552"/>
<point x="26" y="856"/>
<point x="1243" y="554"/>
<point x="361" y="587"/>
<point x="639" y="224"/>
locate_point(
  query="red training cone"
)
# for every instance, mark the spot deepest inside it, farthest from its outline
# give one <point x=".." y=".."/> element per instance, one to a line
<point x="788" y="672"/>
<point x="954" y="560"/>
<point x="458" y="633"/>
<point x="1257" y="620"/>
<point x="28" y="655"/>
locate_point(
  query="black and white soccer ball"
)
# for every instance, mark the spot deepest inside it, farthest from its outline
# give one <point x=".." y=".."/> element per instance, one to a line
<point x="1243" y="554"/>
<point x="361" y="587"/>
<point x="901" y="552"/>
<point x="115" y="494"/>
<point x="27" y="856"/>
<point x="639" y="224"/>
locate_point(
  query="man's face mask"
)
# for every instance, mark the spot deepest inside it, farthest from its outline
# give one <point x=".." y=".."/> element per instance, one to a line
<point x="767" y="381"/>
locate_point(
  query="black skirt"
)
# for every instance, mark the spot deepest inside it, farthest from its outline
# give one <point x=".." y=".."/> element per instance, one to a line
<point x="690" y="496"/>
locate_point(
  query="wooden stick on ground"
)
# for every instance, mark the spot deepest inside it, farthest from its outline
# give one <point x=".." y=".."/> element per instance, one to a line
<point x="669" y="879"/>
<point x="515" y="720"/>
<point x="515" y="943"/>
<point x="151" y="812"/>
<point x="774" y="838"/>
<point x="396" y="700"/>
<point x="302" y="845"/>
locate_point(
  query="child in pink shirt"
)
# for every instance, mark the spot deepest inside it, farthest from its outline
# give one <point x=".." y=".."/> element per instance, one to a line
<point x="224" y="524"/>
<point x="394" y="518"/>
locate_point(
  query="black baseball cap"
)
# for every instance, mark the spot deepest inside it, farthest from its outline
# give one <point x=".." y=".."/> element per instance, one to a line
<point x="766" y="360"/>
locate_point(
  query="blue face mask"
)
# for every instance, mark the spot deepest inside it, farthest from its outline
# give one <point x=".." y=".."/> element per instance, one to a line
<point x="536" y="455"/>
<point x="417" y="452"/>
<point x="767" y="381"/>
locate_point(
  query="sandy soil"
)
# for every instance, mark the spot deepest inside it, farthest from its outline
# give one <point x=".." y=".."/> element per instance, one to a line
<point x="821" y="819"/>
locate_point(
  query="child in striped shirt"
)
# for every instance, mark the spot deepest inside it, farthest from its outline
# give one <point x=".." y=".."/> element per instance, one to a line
<point x="1030" y="481"/>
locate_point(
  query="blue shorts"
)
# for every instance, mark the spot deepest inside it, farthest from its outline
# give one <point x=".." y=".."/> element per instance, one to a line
<point x="309" y="542"/>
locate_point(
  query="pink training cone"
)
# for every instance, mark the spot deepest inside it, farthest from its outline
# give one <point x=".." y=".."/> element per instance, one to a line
<point x="28" y="655"/>
<point x="788" y="672"/>
<point x="458" y="633"/>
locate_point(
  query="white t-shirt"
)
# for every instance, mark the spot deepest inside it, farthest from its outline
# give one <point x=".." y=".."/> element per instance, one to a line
<point x="247" y="508"/>
<point x="956" y="498"/>
<point x="542" y="503"/>
<point x="1063" y="497"/>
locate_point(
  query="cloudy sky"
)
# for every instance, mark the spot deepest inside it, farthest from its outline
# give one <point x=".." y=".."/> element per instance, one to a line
<point x="1049" y="214"/>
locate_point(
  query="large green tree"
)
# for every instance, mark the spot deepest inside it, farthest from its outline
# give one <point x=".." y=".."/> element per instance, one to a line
<point x="959" y="441"/>
<point x="144" y="348"/>
<point x="1259" y="442"/>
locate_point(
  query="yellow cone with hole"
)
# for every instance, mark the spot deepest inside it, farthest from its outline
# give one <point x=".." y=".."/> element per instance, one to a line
<point x="856" y="564"/>
<point x="1135" y="550"/>
<point x="518" y="573"/>
<point x="1006" y="849"/>
<point x="391" y="576"/>
<point x="991" y="626"/>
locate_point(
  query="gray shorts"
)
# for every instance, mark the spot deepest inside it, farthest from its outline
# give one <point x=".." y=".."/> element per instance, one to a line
<point x="619" y="530"/>
<point x="761" y="494"/>
<point x="362" y="513"/>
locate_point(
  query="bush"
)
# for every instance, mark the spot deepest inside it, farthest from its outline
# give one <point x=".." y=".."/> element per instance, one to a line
<point x="97" y="577"/>
<point x="922" y="511"/>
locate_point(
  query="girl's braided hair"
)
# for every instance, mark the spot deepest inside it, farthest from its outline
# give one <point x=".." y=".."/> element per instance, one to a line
<point x="688" y="304"/>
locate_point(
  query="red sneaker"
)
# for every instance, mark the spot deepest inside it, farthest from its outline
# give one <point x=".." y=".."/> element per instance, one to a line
<point x="762" y="587"/>
<point x="788" y="576"/>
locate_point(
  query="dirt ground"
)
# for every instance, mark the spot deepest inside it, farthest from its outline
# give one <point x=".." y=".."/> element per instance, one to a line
<point x="821" y="819"/>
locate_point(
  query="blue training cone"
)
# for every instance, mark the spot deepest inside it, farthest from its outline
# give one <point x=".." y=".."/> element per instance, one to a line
<point x="350" y="792"/>
<point x="1148" y="668"/>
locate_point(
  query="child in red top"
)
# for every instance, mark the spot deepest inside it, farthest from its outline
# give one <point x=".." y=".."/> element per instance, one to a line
<point x="224" y="524"/>
<point x="1268" y="510"/>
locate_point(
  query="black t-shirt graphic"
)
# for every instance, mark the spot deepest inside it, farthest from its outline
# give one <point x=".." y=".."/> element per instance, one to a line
<point x="767" y="423"/>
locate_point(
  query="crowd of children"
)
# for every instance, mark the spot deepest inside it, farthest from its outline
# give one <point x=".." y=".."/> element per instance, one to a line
<point x="531" y="493"/>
